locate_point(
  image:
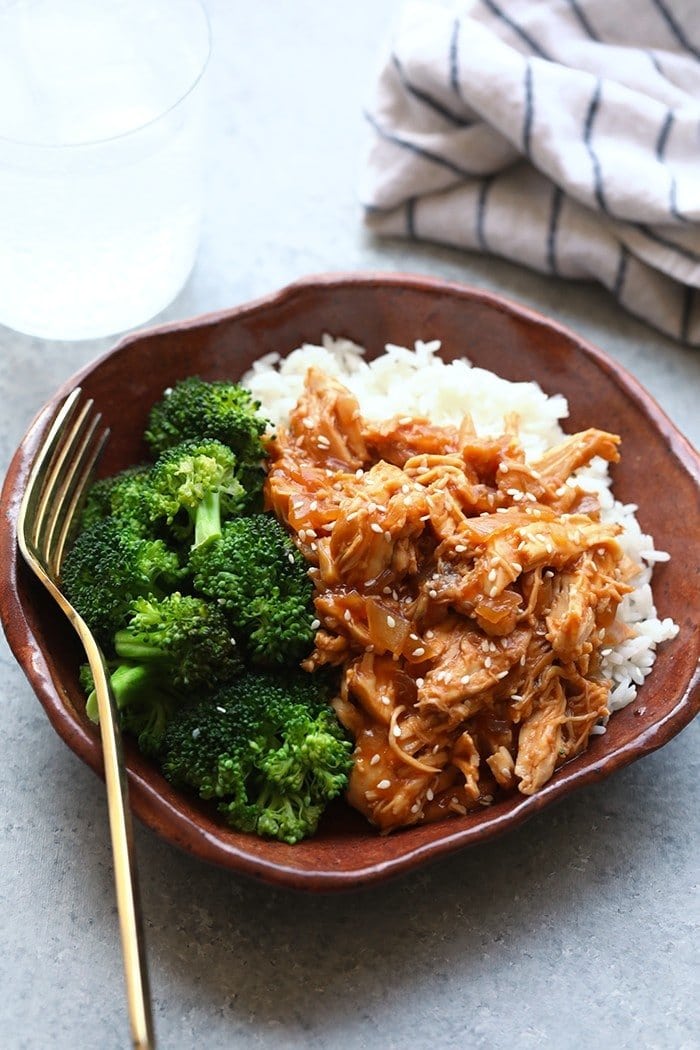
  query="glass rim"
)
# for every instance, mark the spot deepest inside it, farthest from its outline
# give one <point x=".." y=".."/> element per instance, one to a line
<point x="90" y="143"/>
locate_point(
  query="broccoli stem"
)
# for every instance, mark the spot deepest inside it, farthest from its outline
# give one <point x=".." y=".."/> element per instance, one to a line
<point x="125" y="681"/>
<point x="130" y="648"/>
<point x="207" y="522"/>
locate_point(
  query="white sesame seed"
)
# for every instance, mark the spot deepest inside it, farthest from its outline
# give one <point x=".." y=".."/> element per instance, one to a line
<point x="351" y="516"/>
<point x="384" y="784"/>
<point x="374" y="760"/>
<point x="381" y="508"/>
<point x="420" y="651"/>
<point x="432" y="594"/>
<point x="313" y="505"/>
<point x="502" y="674"/>
<point x="386" y="590"/>
<point x="387" y="536"/>
<point x="385" y="699"/>
<point x="465" y="679"/>
<point x="492" y="575"/>
<point x="430" y="794"/>
<point x="391" y="622"/>
<point x="420" y="682"/>
<point x="397" y="730"/>
<point x="425" y="517"/>
<point x="460" y="548"/>
<point x="196" y="732"/>
<point x="405" y="489"/>
<point x="375" y="527"/>
<point x="404" y="420"/>
<point x="371" y="507"/>
<point x="308" y="422"/>
<point x="359" y="472"/>
<point x="290" y="559"/>
<point x="488" y="661"/>
<point x="221" y="710"/>
<point x="315" y="624"/>
<point x="415" y="808"/>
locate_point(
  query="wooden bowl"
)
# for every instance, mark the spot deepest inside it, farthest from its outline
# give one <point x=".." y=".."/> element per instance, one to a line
<point x="659" y="471"/>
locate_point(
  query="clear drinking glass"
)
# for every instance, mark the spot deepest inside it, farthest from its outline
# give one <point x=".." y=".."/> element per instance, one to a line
<point x="101" y="118"/>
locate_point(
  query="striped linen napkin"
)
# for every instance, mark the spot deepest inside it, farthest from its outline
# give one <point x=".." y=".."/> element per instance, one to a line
<point x="562" y="134"/>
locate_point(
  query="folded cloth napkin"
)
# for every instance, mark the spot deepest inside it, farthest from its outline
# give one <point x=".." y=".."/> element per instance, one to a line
<point x="562" y="134"/>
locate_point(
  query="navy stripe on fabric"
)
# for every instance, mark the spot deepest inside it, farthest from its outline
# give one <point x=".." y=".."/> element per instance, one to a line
<point x="660" y="151"/>
<point x="686" y="253"/>
<point x="688" y="302"/>
<point x="663" y="134"/>
<point x="427" y="99"/>
<point x="554" y="213"/>
<point x="675" y="27"/>
<point x="411" y="218"/>
<point x="583" y="20"/>
<point x="655" y="62"/>
<point x="518" y="30"/>
<point x="412" y="147"/>
<point x="529" y="110"/>
<point x="587" y="138"/>
<point x="481" y="207"/>
<point x="621" y="273"/>
<point x="673" y="201"/>
<point x="454" y="60"/>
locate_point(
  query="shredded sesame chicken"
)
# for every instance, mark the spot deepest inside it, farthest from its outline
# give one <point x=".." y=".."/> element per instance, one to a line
<point x="465" y="593"/>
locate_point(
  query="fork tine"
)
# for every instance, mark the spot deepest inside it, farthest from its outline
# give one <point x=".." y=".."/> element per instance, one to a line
<point x="48" y="506"/>
<point x="42" y="465"/>
<point x="71" y="496"/>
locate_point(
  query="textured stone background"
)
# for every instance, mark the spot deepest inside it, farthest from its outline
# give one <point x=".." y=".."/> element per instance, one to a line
<point x="577" y="931"/>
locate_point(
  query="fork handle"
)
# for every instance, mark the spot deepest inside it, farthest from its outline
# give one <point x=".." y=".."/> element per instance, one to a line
<point x="123" y="852"/>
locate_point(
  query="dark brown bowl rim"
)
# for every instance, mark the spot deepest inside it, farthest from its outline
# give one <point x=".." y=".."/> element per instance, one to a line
<point x="148" y="803"/>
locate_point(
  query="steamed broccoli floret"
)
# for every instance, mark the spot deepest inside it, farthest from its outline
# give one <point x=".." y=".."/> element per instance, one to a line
<point x="267" y="747"/>
<point x="127" y="495"/>
<point x="196" y="409"/>
<point x="195" y="484"/>
<point x="256" y="574"/>
<point x="145" y="702"/>
<point x="185" y="639"/>
<point x="108" y="567"/>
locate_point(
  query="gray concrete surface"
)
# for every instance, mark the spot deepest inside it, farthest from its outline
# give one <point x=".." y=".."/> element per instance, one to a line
<point x="577" y="931"/>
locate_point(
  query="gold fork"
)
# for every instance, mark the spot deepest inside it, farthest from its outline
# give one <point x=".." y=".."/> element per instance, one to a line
<point x="58" y="480"/>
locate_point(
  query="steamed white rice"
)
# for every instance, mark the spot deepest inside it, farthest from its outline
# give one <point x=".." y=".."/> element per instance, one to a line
<point x="418" y="382"/>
